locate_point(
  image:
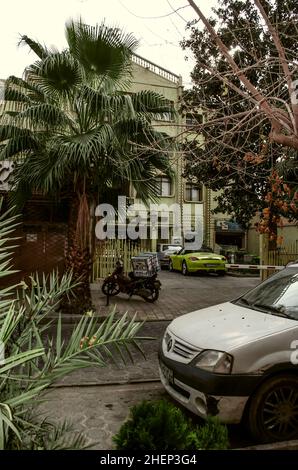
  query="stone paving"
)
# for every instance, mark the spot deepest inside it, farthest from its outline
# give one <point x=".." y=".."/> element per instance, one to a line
<point x="178" y="295"/>
<point x="98" y="400"/>
<point x="97" y="411"/>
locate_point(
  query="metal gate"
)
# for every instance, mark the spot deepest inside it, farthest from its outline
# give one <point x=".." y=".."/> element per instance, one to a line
<point x="41" y="248"/>
<point x="107" y="253"/>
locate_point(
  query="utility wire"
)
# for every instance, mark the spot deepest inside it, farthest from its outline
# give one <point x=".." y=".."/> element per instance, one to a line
<point x="152" y="17"/>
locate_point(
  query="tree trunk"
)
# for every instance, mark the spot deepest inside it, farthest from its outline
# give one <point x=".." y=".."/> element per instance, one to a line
<point x="78" y="258"/>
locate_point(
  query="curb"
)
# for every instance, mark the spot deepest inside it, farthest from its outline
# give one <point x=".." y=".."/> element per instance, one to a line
<point x="285" y="445"/>
<point x="68" y="319"/>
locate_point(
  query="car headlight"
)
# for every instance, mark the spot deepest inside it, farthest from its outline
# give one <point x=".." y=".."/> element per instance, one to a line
<point x="214" y="361"/>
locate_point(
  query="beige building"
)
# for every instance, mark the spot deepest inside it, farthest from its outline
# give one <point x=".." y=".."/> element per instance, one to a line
<point x="191" y="197"/>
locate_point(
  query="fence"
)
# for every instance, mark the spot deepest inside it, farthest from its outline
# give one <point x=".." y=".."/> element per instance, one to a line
<point x="280" y="257"/>
<point x="283" y="255"/>
<point x="107" y="253"/>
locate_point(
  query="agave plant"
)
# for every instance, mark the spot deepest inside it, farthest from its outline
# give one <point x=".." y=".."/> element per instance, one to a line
<point x="73" y="127"/>
<point x="35" y="357"/>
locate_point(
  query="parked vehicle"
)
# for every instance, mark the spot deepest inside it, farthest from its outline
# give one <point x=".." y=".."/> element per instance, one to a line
<point x="164" y="250"/>
<point x="146" y="287"/>
<point x="204" y="260"/>
<point x="239" y="360"/>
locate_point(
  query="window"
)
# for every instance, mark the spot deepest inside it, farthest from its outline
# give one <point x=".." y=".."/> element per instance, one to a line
<point x="165" y="116"/>
<point x="193" y="192"/>
<point x="164" y="185"/>
<point x="193" y="119"/>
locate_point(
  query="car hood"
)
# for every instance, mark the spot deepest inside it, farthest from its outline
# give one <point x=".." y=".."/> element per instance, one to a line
<point x="227" y="326"/>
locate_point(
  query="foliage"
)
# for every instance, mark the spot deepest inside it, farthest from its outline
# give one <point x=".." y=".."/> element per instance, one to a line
<point x="239" y="156"/>
<point x="45" y="435"/>
<point x="160" y="425"/>
<point x="76" y="131"/>
<point x="73" y="119"/>
<point x="211" y="436"/>
<point x="36" y="354"/>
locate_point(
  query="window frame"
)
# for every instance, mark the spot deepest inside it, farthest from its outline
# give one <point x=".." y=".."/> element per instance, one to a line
<point x="200" y="189"/>
<point x="170" y="180"/>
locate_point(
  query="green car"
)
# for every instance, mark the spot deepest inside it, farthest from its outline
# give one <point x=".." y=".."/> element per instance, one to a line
<point x="203" y="260"/>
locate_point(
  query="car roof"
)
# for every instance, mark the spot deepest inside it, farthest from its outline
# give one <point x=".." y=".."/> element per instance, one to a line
<point x="293" y="264"/>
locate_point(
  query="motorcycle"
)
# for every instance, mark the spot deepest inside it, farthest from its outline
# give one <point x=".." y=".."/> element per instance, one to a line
<point x="147" y="288"/>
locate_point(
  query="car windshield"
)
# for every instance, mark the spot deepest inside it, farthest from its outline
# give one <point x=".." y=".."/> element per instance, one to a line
<point x="169" y="247"/>
<point x="278" y="295"/>
<point x="203" y="249"/>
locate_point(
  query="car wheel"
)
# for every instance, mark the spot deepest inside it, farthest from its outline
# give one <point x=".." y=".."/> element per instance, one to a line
<point x="184" y="269"/>
<point x="273" y="410"/>
<point x="221" y="273"/>
<point x="171" y="265"/>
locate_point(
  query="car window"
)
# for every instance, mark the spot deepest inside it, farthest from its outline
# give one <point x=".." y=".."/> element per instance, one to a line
<point x="168" y="247"/>
<point x="278" y="295"/>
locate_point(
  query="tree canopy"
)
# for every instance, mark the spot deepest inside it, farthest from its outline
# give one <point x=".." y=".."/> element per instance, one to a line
<point x="244" y="83"/>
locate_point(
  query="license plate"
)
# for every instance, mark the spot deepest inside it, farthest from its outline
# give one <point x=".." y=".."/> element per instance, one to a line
<point x="211" y="265"/>
<point x="167" y="373"/>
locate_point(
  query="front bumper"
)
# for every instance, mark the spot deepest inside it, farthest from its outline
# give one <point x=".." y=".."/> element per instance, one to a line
<point x="205" y="393"/>
<point x="164" y="262"/>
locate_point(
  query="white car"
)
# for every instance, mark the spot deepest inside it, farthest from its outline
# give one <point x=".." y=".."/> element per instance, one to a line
<point x="239" y="360"/>
<point x="164" y="250"/>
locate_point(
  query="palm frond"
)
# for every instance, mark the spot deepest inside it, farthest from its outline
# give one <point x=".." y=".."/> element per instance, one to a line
<point x="103" y="51"/>
<point x="57" y="73"/>
<point x="153" y="105"/>
<point x="24" y="87"/>
<point x="40" y="50"/>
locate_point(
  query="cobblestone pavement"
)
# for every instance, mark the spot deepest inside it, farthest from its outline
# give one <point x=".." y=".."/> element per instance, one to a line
<point x="97" y="411"/>
<point x="179" y="295"/>
<point x="97" y="400"/>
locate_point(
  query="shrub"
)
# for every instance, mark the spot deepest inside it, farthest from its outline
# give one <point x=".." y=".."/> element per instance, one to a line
<point x="153" y="426"/>
<point x="211" y="436"/>
<point x="160" y="425"/>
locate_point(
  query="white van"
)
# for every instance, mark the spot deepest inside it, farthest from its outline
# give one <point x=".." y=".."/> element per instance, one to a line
<point x="239" y="360"/>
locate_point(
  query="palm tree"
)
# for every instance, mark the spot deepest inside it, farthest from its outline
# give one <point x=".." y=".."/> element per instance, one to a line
<point x="73" y="127"/>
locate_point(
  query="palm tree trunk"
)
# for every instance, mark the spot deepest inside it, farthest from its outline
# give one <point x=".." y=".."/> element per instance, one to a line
<point x="78" y="257"/>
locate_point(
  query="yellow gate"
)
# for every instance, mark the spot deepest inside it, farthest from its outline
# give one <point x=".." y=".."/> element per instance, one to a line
<point x="107" y="253"/>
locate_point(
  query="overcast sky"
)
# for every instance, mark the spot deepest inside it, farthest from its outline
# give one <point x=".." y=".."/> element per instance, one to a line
<point x="159" y="35"/>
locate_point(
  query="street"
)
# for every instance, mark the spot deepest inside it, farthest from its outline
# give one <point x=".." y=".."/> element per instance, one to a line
<point x="97" y="400"/>
<point x="179" y="294"/>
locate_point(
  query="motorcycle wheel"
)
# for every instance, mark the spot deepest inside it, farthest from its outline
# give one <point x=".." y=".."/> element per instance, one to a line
<point x="110" y="288"/>
<point x="153" y="296"/>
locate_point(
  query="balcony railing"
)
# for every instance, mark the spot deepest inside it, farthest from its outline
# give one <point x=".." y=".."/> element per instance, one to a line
<point x="172" y="77"/>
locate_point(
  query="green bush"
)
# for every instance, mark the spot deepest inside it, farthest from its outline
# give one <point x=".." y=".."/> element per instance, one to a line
<point x="211" y="436"/>
<point x="160" y="425"/>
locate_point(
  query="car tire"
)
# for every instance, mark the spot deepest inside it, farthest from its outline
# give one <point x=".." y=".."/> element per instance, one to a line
<point x="184" y="269"/>
<point x="171" y="266"/>
<point x="221" y="273"/>
<point x="272" y="413"/>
